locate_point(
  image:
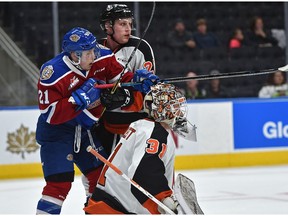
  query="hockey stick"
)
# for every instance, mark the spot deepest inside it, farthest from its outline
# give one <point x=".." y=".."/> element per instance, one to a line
<point x="116" y="85"/>
<point x="205" y="77"/>
<point x="119" y="172"/>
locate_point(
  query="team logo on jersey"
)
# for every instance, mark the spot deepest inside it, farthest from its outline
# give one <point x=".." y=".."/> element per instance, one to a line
<point x="73" y="82"/>
<point x="74" y="37"/>
<point x="47" y="72"/>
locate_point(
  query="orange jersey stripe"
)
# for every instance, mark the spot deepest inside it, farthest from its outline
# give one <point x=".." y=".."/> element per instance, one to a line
<point x="100" y="207"/>
<point x="151" y="206"/>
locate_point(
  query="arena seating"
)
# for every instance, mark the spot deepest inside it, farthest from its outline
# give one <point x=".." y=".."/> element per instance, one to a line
<point x="30" y="25"/>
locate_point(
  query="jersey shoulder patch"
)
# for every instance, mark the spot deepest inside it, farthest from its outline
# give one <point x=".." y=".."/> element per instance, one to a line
<point x="46" y="72"/>
<point x="53" y="69"/>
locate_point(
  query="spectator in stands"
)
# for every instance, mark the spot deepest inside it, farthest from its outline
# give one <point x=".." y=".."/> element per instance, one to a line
<point x="237" y="39"/>
<point x="203" y="38"/>
<point x="214" y="89"/>
<point x="192" y="90"/>
<point x="258" y="36"/>
<point x="180" y="37"/>
<point x="276" y="86"/>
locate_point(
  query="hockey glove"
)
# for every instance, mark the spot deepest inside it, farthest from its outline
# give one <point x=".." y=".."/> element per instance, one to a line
<point x="86" y="94"/>
<point x="122" y="97"/>
<point x="146" y="80"/>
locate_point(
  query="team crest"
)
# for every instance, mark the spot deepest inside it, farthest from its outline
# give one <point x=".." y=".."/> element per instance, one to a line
<point x="73" y="82"/>
<point x="47" y="72"/>
<point x="74" y="37"/>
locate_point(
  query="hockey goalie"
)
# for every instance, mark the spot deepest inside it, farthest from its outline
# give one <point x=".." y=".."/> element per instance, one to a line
<point x="145" y="155"/>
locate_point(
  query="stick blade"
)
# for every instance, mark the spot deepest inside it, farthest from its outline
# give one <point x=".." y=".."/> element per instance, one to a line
<point x="185" y="193"/>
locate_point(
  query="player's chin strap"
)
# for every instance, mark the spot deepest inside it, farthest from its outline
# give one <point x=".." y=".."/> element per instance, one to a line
<point x="111" y="35"/>
<point x="113" y="32"/>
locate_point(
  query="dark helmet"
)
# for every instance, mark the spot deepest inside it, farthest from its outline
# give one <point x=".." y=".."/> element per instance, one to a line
<point x="113" y="12"/>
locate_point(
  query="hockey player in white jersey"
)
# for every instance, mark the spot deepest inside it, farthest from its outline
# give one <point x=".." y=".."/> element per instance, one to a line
<point x="116" y="20"/>
<point x="146" y="155"/>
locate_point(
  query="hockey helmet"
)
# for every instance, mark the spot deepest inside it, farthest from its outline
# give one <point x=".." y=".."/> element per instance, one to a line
<point x="78" y="39"/>
<point x="165" y="103"/>
<point x="113" y="12"/>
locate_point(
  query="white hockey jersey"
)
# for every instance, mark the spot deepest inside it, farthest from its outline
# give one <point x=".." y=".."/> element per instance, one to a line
<point x="117" y="121"/>
<point x="145" y="154"/>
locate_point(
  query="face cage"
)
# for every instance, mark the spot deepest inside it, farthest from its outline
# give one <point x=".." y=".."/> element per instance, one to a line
<point x="168" y="106"/>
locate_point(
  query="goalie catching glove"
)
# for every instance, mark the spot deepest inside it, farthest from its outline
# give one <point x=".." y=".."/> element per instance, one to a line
<point x="122" y="97"/>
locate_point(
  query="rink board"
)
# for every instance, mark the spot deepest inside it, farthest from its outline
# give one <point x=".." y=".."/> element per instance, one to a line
<point x="230" y="133"/>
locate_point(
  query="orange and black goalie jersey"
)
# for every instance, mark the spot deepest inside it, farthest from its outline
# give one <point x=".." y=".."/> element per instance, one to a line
<point x="145" y="154"/>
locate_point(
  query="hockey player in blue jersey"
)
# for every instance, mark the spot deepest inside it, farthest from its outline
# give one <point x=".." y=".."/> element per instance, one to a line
<point x="70" y="105"/>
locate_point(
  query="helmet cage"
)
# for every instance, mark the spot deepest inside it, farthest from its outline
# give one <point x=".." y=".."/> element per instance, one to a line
<point x="165" y="103"/>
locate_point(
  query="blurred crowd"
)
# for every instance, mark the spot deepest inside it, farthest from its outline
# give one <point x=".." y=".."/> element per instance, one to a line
<point x="256" y="35"/>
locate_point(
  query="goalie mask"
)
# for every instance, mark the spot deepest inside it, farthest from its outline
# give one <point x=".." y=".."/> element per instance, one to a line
<point x="165" y="103"/>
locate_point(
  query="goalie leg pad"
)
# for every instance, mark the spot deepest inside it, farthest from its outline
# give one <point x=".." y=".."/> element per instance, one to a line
<point x="185" y="193"/>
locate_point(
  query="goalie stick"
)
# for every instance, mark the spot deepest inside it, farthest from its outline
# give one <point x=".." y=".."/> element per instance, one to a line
<point x="135" y="184"/>
<point x="204" y="77"/>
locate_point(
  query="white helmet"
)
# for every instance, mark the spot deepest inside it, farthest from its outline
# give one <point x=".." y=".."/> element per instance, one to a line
<point x="165" y="103"/>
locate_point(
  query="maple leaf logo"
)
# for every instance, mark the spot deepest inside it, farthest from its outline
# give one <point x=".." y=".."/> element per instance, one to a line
<point x="21" y="141"/>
